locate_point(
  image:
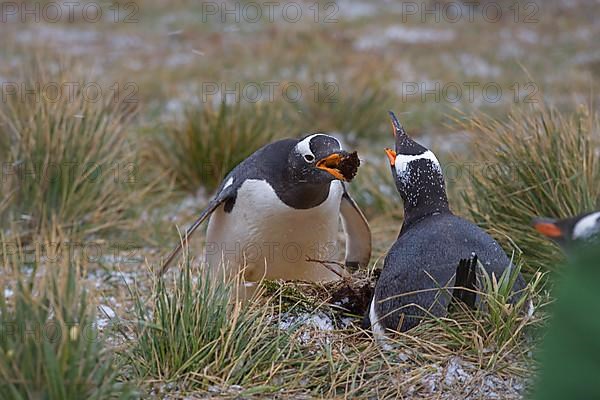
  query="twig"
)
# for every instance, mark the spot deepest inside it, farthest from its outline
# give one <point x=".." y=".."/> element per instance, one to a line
<point x="325" y="262"/>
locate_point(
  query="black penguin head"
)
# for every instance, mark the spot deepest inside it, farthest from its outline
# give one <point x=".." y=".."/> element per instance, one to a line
<point x="569" y="231"/>
<point x="319" y="159"/>
<point x="416" y="170"/>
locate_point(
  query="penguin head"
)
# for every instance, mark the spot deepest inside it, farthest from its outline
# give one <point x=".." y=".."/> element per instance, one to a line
<point x="319" y="159"/>
<point x="415" y="168"/>
<point x="580" y="229"/>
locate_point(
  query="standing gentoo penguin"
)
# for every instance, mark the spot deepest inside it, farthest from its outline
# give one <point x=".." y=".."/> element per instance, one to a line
<point x="566" y="232"/>
<point x="281" y="207"/>
<point x="431" y="243"/>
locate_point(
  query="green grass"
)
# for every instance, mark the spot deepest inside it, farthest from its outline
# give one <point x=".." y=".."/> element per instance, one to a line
<point x="349" y="363"/>
<point x="212" y="140"/>
<point x="69" y="161"/>
<point x="193" y="331"/>
<point x="539" y="162"/>
<point x="166" y="56"/>
<point x="504" y="315"/>
<point x="49" y="346"/>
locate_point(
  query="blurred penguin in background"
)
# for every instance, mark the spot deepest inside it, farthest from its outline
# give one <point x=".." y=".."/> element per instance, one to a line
<point x="570" y="355"/>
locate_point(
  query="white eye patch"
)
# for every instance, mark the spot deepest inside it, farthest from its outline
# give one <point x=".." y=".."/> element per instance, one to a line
<point x="303" y="146"/>
<point x="403" y="161"/>
<point x="587" y="226"/>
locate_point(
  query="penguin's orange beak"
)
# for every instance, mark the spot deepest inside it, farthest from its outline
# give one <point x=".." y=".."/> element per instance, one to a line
<point x="391" y="156"/>
<point x="342" y="166"/>
<point x="547" y="228"/>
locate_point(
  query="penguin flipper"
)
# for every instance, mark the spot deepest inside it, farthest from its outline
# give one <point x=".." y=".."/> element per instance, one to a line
<point x="465" y="283"/>
<point x="358" y="233"/>
<point x="470" y="295"/>
<point x="222" y="197"/>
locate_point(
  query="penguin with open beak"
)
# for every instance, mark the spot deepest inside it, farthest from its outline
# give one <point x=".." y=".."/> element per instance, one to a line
<point x="581" y="229"/>
<point x="278" y="211"/>
<point x="433" y="245"/>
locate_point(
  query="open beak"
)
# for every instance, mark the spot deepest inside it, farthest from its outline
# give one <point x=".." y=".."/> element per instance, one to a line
<point x="391" y="155"/>
<point x="341" y="165"/>
<point x="547" y="227"/>
<point x="396" y="127"/>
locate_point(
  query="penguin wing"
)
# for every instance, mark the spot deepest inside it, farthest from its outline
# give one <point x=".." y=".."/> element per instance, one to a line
<point x="226" y="193"/>
<point x="358" y="233"/>
<point x="465" y="283"/>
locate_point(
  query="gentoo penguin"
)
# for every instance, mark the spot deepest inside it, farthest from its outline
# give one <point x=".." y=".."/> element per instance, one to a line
<point x="279" y="210"/>
<point x="569" y="231"/>
<point x="569" y="367"/>
<point x="431" y="244"/>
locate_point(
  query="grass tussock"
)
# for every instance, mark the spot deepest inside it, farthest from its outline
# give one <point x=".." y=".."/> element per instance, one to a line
<point x="49" y="346"/>
<point x="422" y="362"/>
<point x="212" y="140"/>
<point x="192" y="331"/>
<point x="67" y="160"/>
<point x="338" y="361"/>
<point x="353" y="104"/>
<point x="539" y="162"/>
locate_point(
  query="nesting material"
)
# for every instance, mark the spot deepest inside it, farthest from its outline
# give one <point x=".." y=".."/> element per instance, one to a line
<point x="349" y="165"/>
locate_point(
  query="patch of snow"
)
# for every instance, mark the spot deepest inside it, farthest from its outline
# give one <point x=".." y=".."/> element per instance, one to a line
<point x="175" y="107"/>
<point x="403" y="34"/>
<point x="569" y="3"/>
<point x="509" y="48"/>
<point x="586" y="58"/>
<point x="107" y="311"/>
<point x="351" y="9"/>
<point x="321" y="322"/>
<point x="405" y="71"/>
<point x="528" y="36"/>
<point x="96" y="276"/>
<point x="106" y="314"/>
<point x="310" y="326"/>
<point x="128" y="42"/>
<point x="179" y="59"/>
<point x="583" y="33"/>
<point x="455" y="372"/>
<point x="55" y="33"/>
<point x="431" y="381"/>
<point x="477" y="66"/>
<point x="346" y="322"/>
<point x="343" y="302"/>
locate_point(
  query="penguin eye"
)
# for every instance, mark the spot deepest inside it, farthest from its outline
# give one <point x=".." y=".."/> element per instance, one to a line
<point x="309" y="158"/>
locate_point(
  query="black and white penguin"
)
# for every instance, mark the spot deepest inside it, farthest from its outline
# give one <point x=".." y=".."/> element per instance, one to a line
<point x="279" y="210"/>
<point x="431" y="243"/>
<point x="581" y="229"/>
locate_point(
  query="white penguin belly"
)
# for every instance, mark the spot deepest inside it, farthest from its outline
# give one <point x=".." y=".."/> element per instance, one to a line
<point x="272" y="239"/>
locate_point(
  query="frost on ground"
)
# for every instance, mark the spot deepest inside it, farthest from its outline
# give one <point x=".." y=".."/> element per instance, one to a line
<point x="402" y="34"/>
<point x="460" y="379"/>
<point x="313" y="327"/>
